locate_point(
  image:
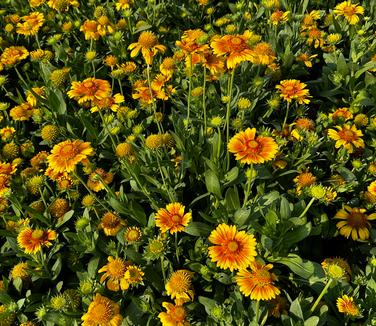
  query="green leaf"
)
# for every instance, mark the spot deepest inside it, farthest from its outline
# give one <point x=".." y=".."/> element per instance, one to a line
<point x="137" y="212"/>
<point x="212" y="183"/>
<point x="241" y="216"/>
<point x="303" y="268"/>
<point x="57" y="103"/>
<point x="312" y="321"/>
<point x="285" y="210"/>
<point x="67" y="216"/>
<point x="208" y="303"/>
<point x="198" y="229"/>
<point x="232" y="198"/>
<point x="342" y="67"/>
<point x="231" y="175"/>
<point x="296" y="309"/>
<point x="298" y="234"/>
<point x="92" y="266"/>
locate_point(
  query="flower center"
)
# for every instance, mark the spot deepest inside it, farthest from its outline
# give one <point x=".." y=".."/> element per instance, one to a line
<point x="175" y="218"/>
<point x="68" y="151"/>
<point x="179" y="314"/>
<point x="116" y="268"/>
<point x="347" y="135"/>
<point x="252" y="144"/>
<point x="349" y="11"/>
<point x="101" y="313"/>
<point x="357" y="220"/>
<point x="263" y="277"/>
<point x="236" y="40"/>
<point x="233" y="246"/>
<point x="37" y="234"/>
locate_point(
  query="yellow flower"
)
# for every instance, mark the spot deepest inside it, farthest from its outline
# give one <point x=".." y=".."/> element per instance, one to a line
<point x="32" y="240"/>
<point x="20" y="270"/>
<point x="66" y="155"/>
<point x="102" y="311"/>
<point x="148" y="45"/>
<point x="175" y="315"/>
<point x="372" y="188"/>
<point x="304" y="179"/>
<point x="346" y="305"/>
<point x="22" y="112"/>
<point x="349" y="11"/>
<point x="114" y="273"/>
<point x="98" y="179"/>
<point x="123" y="4"/>
<point x="355" y="222"/>
<point x="232" y="249"/>
<point x="347" y="136"/>
<point x="31" y="25"/>
<point x="251" y="149"/>
<point x="279" y="17"/>
<point x="90" y="89"/>
<point x="259" y="283"/>
<point x="292" y="89"/>
<point x="172" y="218"/>
<point x="12" y="55"/>
<point x="179" y="286"/>
<point x="132" y="234"/>
<point x="111" y="224"/>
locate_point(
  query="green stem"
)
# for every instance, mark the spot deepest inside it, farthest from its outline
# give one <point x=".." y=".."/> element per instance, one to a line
<point x="307" y="208"/>
<point x="257" y="310"/>
<point x="89" y="190"/>
<point x="324" y="290"/>
<point x="204" y="101"/>
<point x="248" y="190"/>
<point x="285" y="120"/>
<point x="229" y="92"/>
<point x="108" y="130"/>
<point x="163" y="179"/>
<point x="176" y="247"/>
<point x="190" y="87"/>
<point x="163" y="270"/>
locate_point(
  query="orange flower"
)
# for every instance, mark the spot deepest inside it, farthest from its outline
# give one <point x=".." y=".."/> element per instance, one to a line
<point x="32" y="241"/>
<point x="372" y="188"/>
<point x="90" y="89"/>
<point x="12" y="55"/>
<point x="90" y="29"/>
<point x="233" y="249"/>
<point x="303" y="180"/>
<point x="172" y="218"/>
<point x="278" y="17"/>
<point x="347" y="136"/>
<point x="342" y="114"/>
<point x="251" y="149"/>
<point x="31" y="25"/>
<point x="259" y="283"/>
<point x="189" y="42"/>
<point x="349" y="11"/>
<point x="346" y="305"/>
<point x="175" y="315"/>
<point x="102" y="311"/>
<point x="98" y="179"/>
<point x="355" y="222"/>
<point x="123" y="4"/>
<point x="234" y="47"/>
<point x="148" y="45"/>
<point x="114" y="271"/>
<point x="179" y="286"/>
<point x="263" y="54"/>
<point x="111" y="224"/>
<point x="292" y="89"/>
<point x="22" y="112"/>
<point x="66" y="155"/>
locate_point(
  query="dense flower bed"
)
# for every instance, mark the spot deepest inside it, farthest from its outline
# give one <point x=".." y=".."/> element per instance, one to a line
<point x="187" y="162"/>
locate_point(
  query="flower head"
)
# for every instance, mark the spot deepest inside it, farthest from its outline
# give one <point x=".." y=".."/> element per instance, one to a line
<point x="355" y="222"/>
<point x="347" y="306"/>
<point x="31" y="25"/>
<point x="32" y="240"/>
<point x="259" y="283"/>
<point x="232" y="249"/>
<point x="102" y="311"/>
<point x="349" y="10"/>
<point x="66" y="155"/>
<point x="234" y="47"/>
<point x="179" y="286"/>
<point x="175" y="315"/>
<point x="347" y="136"/>
<point x="172" y="218"/>
<point x="148" y="45"/>
<point x="114" y="272"/>
<point x="111" y="224"/>
<point x="251" y="149"/>
<point x="90" y="89"/>
<point x="293" y="89"/>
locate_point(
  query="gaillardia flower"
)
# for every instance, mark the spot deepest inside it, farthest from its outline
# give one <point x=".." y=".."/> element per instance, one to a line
<point x="148" y="45"/>
<point x="90" y="89"/>
<point x="66" y="155"/>
<point x="347" y="306"/>
<point x="259" y="283"/>
<point x="179" y="286"/>
<point x="355" y="222"/>
<point x="114" y="273"/>
<point x="175" y="315"/>
<point x="102" y="312"/>
<point x="111" y="224"/>
<point x="32" y="240"/>
<point x="232" y="249"/>
<point x="172" y="218"/>
<point x="349" y="10"/>
<point x="251" y="149"/>
<point x="347" y="136"/>
<point x="293" y="89"/>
